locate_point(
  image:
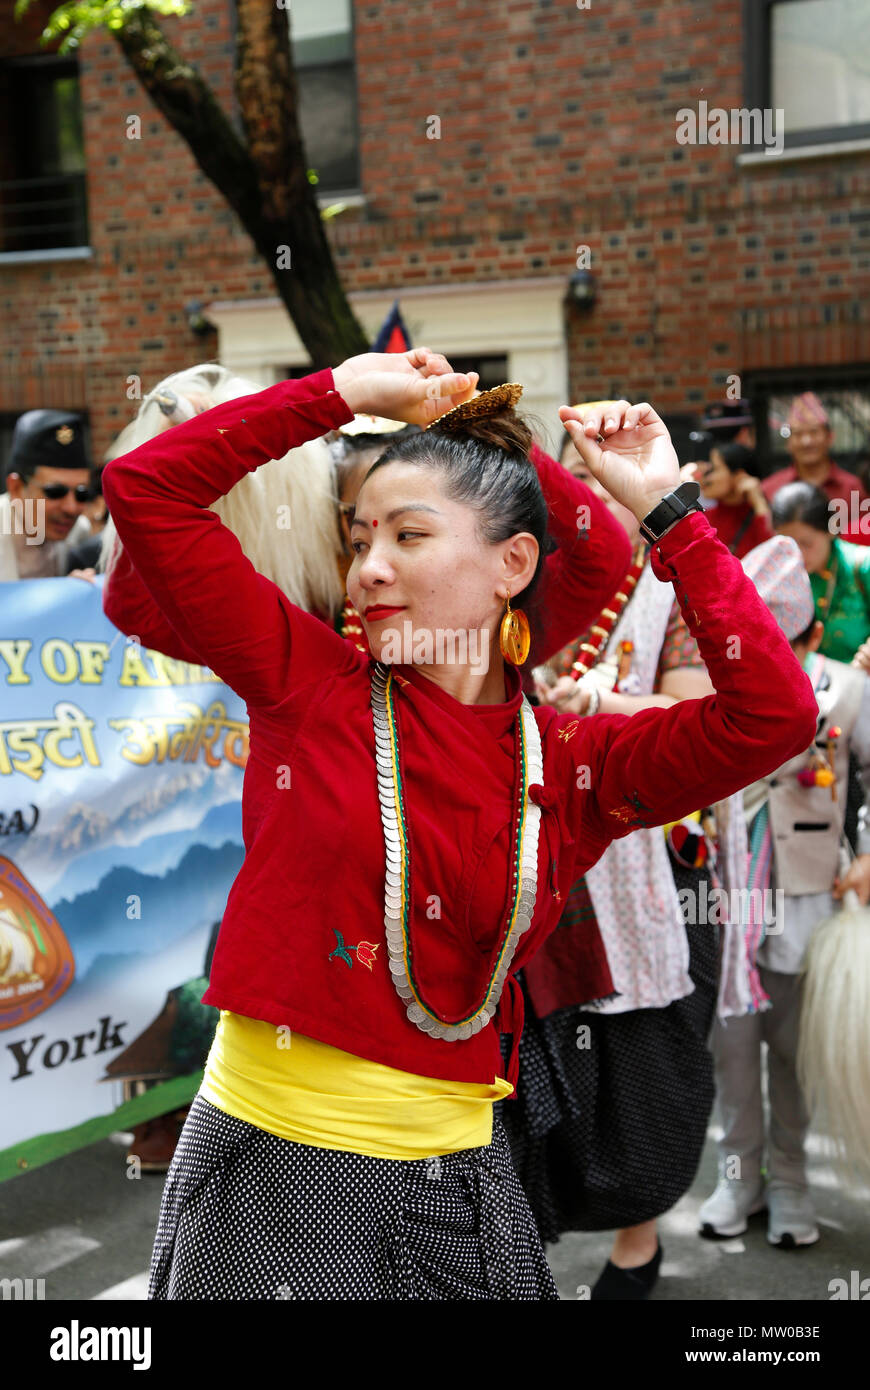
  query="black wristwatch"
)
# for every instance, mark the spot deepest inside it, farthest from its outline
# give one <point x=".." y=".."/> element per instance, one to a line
<point x="670" y="510"/>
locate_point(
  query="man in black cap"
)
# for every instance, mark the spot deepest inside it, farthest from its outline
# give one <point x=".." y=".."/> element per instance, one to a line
<point x="48" y="485"/>
<point x="730" y="422"/>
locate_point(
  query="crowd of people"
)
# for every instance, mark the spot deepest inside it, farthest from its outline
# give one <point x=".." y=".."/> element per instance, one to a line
<point x="536" y="1012"/>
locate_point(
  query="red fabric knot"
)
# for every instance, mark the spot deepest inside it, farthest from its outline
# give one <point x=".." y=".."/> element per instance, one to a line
<point x="553" y="800"/>
<point x="556" y="827"/>
<point x="509" y="1019"/>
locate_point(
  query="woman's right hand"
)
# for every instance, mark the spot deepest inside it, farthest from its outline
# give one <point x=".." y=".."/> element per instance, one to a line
<point x="417" y="386"/>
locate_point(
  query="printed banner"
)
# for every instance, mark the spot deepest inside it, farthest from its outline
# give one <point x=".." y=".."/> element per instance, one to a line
<point x="120" y="836"/>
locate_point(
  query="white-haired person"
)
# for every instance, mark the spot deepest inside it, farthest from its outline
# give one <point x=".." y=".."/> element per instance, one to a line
<point x="290" y="498"/>
<point x="416" y="855"/>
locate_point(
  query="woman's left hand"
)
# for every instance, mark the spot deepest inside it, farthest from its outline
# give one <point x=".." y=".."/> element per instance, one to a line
<point x="567" y="696"/>
<point x="417" y="386"/>
<point x="637" y="463"/>
<point x="857" y="878"/>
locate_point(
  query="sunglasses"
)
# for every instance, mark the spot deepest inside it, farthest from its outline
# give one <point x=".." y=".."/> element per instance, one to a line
<point x="55" y="491"/>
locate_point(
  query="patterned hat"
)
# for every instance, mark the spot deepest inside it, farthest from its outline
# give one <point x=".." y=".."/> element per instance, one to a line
<point x="777" y="570"/>
<point x="51" y="438"/>
<point x="807" y="410"/>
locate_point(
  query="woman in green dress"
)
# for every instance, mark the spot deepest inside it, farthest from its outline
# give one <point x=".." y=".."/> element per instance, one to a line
<point x="839" y="571"/>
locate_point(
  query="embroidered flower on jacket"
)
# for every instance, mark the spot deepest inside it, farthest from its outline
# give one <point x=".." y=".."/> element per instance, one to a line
<point x="366" y="951"/>
<point x="631" y="813"/>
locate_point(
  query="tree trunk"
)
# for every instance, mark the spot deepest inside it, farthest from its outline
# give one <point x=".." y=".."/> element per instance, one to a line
<point x="266" y="184"/>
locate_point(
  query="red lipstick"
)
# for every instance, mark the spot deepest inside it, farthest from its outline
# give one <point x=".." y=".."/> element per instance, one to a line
<point x="376" y="611"/>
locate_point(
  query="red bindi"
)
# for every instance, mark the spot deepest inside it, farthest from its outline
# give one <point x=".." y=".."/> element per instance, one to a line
<point x="374" y="521"/>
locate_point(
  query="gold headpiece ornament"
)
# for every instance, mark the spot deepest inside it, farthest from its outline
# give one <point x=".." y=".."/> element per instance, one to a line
<point x="480" y="405"/>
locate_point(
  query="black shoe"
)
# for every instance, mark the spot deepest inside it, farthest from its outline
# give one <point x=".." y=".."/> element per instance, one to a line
<point x="627" y="1285"/>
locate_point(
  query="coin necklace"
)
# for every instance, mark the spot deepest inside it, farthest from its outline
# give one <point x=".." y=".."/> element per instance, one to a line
<point x="397" y="887"/>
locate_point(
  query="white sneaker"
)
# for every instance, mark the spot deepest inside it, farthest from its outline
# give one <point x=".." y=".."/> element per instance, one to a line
<point x="726" y="1213"/>
<point x="792" y="1219"/>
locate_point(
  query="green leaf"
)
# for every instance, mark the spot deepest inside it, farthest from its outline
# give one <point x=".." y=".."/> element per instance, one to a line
<point x="75" y="19"/>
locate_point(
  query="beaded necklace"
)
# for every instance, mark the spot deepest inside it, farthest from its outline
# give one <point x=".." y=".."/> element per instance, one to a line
<point x="397" y="886"/>
<point x="608" y="618"/>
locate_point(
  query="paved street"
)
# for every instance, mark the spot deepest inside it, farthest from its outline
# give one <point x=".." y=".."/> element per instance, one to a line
<point x="86" y="1229"/>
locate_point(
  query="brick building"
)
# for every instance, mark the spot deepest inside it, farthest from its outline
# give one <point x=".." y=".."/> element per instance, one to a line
<point x="478" y="149"/>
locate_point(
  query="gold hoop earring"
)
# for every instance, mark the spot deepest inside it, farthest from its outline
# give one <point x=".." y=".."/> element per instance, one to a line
<point x="514" y="637"/>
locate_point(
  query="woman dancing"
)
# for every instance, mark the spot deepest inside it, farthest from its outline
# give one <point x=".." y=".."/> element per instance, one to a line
<point x="343" y="1143"/>
<point x="304" y="486"/>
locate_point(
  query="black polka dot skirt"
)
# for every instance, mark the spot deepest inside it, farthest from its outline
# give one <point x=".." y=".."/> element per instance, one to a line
<point x="248" y="1215"/>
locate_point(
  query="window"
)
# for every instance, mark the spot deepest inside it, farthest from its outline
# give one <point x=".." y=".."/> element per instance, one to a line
<point x="491" y="370"/>
<point x="7" y="429"/>
<point x="843" y="391"/>
<point x="42" y="158"/>
<point x="811" y="59"/>
<point x="322" y="42"/>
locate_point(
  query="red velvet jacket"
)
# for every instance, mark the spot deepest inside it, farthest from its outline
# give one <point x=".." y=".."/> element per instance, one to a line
<point x="315" y="858"/>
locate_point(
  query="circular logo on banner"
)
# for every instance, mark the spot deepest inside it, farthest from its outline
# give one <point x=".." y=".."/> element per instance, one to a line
<point x="36" y="963"/>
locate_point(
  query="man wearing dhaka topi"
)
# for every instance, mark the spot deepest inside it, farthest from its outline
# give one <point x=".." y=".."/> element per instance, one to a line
<point x="809" y="445"/>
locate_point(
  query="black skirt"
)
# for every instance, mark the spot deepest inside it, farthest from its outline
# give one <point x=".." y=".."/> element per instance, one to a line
<point x="610" y="1134"/>
<point x="248" y="1215"/>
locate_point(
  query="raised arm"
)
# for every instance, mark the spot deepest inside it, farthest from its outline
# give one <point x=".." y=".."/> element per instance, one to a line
<point x="592" y="559"/>
<point x="127" y="600"/>
<point x="239" y="623"/>
<point x="660" y="764"/>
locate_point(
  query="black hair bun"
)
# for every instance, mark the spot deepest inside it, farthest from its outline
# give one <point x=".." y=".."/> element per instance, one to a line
<point x="503" y="430"/>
